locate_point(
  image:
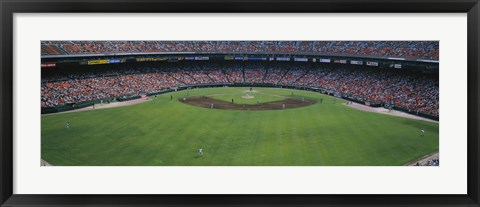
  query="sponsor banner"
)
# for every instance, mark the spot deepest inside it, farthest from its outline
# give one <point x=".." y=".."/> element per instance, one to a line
<point x="229" y="58"/>
<point x="173" y="59"/>
<point x="48" y="65"/>
<point x="202" y="58"/>
<point x="340" y="61"/>
<point x="150" y="59"/>
<point x="356" y="62"/>
<point x="367" y="103"/>
<point x="97" y="62"/>
<point x="324" y="60"/>
<point x="113" y="61"/>
<point x="238" y="58"/>
<point x="271" y="59"/>
<point x="300" y="59"/>
<point x="398" y="66"/>
<point x="193" y="58"/>
<point x="372" y="63"/>
<point x="283" y="59"/>
<point x="314" y="60"/>
<point x="256" y="58"/>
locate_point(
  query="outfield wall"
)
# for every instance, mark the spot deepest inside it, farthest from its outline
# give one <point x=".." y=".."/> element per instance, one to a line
<point x="74" y="106"/>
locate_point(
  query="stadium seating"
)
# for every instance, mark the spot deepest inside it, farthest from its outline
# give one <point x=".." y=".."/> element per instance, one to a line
<point x="411" y="91"/>
<point x="404" y="49"/>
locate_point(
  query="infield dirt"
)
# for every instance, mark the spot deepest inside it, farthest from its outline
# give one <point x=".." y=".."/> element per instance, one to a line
<point x="206" y="102"/>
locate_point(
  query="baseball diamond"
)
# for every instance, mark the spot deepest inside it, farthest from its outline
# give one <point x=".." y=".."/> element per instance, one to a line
<point x="240" y="103"/>
<point x="167" y="132"/>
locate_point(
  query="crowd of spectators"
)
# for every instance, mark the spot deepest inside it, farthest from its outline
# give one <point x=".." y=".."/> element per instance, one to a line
<point x="412" y="91"/>
<point x="217" y="76"/>
<point x="234" y="74"/>
<point x="274" y="74"/>
<point x="293" y="75"/>
<point x="434" y="162"/>
<point x="405" y="49"/>
<point x="429" y="162"/>
<point x="255" y="72"/>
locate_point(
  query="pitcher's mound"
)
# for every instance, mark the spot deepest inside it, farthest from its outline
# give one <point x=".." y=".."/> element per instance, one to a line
<point x="248" y="96"/>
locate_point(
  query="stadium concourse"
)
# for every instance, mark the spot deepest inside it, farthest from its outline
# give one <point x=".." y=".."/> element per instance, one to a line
<point x="410" y="90"/>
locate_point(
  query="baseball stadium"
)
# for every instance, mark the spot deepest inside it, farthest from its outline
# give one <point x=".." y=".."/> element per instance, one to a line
<point x="240" y="103"/>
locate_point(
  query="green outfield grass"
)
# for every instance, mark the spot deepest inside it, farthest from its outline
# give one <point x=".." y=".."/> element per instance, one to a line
<point x="168" y="132"/>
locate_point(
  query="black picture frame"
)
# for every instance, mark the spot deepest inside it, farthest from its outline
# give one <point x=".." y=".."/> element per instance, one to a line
<point x="10" y="7"/>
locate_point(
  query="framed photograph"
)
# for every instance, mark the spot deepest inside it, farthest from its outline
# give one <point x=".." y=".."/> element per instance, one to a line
<point x="237" y="103"/>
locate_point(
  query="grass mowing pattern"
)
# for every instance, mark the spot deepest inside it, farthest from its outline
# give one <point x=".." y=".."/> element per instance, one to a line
<point x="168" y="132"/>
